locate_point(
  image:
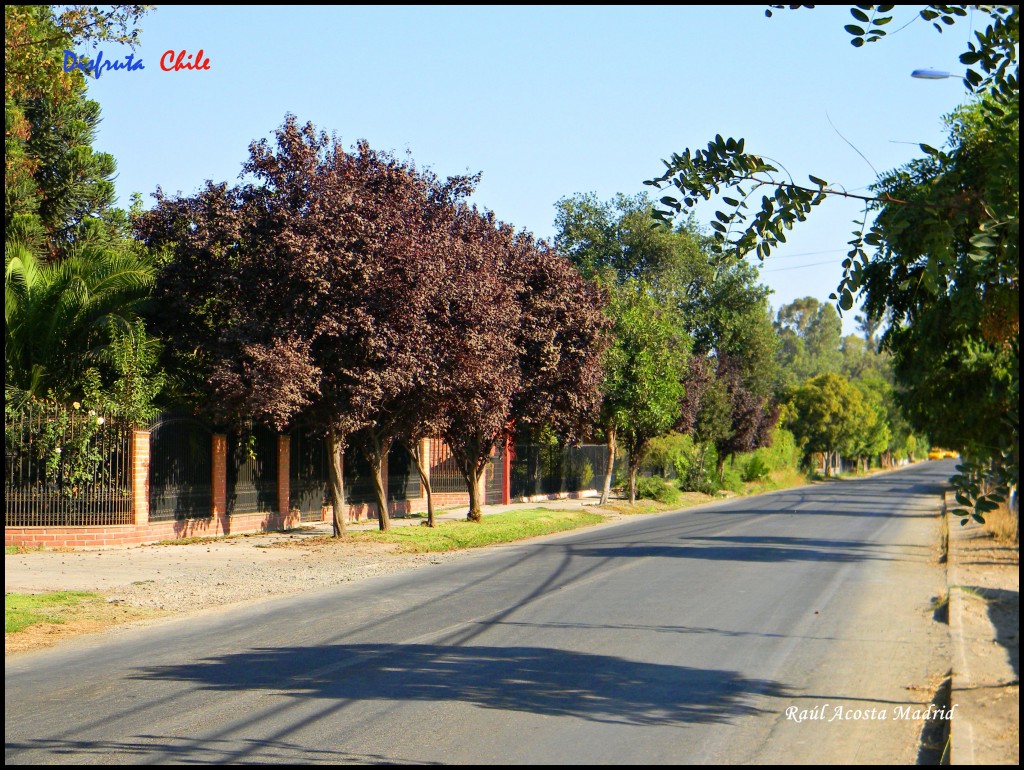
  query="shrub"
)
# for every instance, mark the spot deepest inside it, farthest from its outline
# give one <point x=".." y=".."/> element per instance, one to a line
<point x="656" y="488"/>
<point x="782" y="456"/>
<point x="732" y="480"/>
<point x="697" y="480"/>
<point x="665" y="454"/>
<point x="756" y="469"/>
<point x="579" y="473"/>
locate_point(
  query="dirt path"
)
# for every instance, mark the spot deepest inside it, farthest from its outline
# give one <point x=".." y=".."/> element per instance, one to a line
<point x="984" y="581"/>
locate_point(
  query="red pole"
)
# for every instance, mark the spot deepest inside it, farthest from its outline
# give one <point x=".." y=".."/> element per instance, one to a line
<point x="506" y="476"/>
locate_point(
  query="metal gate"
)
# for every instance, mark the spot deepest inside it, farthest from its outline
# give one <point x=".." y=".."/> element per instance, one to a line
<point x="445" y="475"/>
<point x="309" y="482"/>
<point x="252" y="471"/>
<point x="180" y="469"/>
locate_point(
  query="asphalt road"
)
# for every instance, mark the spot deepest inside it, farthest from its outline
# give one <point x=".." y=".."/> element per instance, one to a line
<point x="696" y="637"/>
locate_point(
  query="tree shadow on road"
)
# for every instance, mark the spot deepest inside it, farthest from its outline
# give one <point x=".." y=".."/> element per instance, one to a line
<point x="299" y="687"/>
<point x="180" y="750"/>
<point x="536" y="680"/>
<point x="754" y="550"/>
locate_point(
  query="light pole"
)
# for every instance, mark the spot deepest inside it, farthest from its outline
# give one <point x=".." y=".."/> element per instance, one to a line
<point x="930" y="74"/>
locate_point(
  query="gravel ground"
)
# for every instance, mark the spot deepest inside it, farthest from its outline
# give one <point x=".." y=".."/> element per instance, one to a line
<point x="142" y="584"/>
<point x="197" y="576"/>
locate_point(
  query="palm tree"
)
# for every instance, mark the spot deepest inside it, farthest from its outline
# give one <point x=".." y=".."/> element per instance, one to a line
<point x="59" y="315"/>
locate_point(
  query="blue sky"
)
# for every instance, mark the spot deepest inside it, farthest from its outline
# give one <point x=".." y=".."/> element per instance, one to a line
<point x="546" y="102"/>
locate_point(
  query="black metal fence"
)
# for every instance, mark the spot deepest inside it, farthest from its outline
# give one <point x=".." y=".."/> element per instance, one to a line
<point x="65" y="466"/>
<point x="309" y="480"/>
<point x="181" y="468"/>
<point x="494" y="478"/>
<point x="552" y="469"/>
<point x="403" y="479"/>
<point x="445" y="475"/>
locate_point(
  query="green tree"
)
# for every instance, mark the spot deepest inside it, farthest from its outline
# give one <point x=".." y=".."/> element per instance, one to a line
<point x="35" y="37"/>
<point x="645" y="373"/>
<point x="863" y="359"/>
<point x="74" y="279"/>
<point x="825" y="415"/>
<point x="58" y="191"/>
<point x="873" y="434"/>
<point x="720" y="307"/>
<point x="724" y="309"/>
<point x="614" y="242"/>
<point x="809" y="334"/>
<point x="902" y="442"/>
<point x="956" y="343"/>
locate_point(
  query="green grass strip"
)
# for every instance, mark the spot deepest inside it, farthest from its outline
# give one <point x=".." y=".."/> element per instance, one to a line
<point x="496" y="528"/>
<point x="24" y="610"/>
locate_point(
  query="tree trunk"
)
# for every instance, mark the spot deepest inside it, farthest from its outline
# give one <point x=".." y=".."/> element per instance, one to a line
<point x="606" y="490"/>
<point x="414" y="448"/>
<point x="378" y="450"/>
<point x="336" y="450"/>
<point x="720" y="469"/>
<point x="473" y="483"/>
<point x="634" y="466"/>
<point x="468" y="453"/>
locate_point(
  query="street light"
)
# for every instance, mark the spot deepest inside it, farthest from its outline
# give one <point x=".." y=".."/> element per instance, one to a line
<point x="930" y="74"/>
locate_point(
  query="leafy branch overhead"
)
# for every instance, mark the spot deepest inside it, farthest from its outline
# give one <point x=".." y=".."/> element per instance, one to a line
<point x="725" y="171"/>
<point x="938" y="261"/>
<point x="991" y="58"/>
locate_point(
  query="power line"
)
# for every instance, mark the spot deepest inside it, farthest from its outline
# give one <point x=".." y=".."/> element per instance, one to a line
<point x="808" y="254"/>
<point x="801" y="267"/>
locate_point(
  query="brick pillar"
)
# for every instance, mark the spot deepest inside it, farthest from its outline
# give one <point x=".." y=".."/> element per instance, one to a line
<point x="139" y="450"/>
<point x="220" y="477"/>
<point x="284" y="451"/>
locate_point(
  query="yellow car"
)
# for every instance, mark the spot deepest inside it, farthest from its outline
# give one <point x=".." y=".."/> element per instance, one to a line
<point x="942" y="454"/>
